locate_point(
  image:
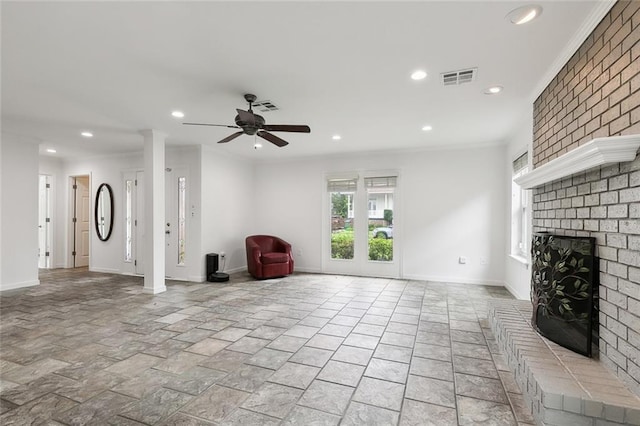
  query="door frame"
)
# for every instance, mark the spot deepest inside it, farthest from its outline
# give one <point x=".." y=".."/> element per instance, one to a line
<point x="172" y="271"/>
<point x="361" y="265"/>
<point x="69" y="260"/>
<point x="47" y="259"/>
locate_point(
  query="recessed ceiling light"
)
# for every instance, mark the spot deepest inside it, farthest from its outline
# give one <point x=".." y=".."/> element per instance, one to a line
<point x="427" y="128"/>
<point x="178" y="114"/>
<point x="257" y="145"/>
<point x="493" y="90"/>
<point x="524" y="14"/>
<point x="87" y="134"/>
<point x="336" y="137"/>
<point x="51" y="150"/>
<point x="418" y="75"/>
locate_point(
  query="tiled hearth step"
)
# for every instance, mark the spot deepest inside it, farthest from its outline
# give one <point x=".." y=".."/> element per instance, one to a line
<point x="561" y="387"/>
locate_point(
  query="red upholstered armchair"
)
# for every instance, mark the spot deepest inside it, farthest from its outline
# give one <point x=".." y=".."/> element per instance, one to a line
<point x="268" y="256"/>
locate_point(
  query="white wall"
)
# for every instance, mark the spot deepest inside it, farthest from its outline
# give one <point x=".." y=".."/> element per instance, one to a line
<point x="451" y="205"/>
<point x="19" y="217"/>
<point x="517" y="275"/>
<point x="104" y="256"/>
<point x="228" y="207"/>
<point x="108" y="256"/>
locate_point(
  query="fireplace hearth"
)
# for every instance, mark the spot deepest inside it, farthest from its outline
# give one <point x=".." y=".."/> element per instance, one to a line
<point x="564" y="290"/>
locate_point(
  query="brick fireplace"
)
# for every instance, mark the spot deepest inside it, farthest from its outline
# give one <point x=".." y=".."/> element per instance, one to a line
<point x="597" y="94"/>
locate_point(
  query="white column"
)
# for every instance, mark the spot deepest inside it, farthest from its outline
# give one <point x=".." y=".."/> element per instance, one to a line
<point x="154" y="203"/>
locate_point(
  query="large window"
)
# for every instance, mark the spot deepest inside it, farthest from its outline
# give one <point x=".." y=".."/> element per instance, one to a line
<point x="520" y="232"/>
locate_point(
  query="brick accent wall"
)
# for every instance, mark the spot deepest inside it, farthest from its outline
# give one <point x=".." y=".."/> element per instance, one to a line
<point x="605" y="204"/>
<point x="597" y="94"/>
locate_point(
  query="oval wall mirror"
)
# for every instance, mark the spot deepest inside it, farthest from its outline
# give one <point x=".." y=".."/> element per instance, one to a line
<point x="104" y="212"/>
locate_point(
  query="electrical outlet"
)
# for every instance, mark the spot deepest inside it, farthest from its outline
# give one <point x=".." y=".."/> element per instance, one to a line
<point x="462" y="260"/>
<point x="222" y="254"/>
<point x="483" y="260"/>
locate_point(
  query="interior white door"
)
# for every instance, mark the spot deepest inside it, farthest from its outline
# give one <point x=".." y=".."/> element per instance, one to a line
<point x="44" y="222"/>
<point x="83" y="221"/>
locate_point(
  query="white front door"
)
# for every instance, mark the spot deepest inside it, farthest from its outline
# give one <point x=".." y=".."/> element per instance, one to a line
<point x="176" y="181"/>
<point x="82" y="221"/>
<point x="175" y="222"/>
<point x="361" y="227"/>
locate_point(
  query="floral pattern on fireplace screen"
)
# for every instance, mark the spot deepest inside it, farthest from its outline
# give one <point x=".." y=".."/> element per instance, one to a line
<point x="563" y="291"/>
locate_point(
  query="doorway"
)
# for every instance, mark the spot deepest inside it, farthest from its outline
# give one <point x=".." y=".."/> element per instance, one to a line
<point x="360" y="225"/>
<point x="176" y="223"/>
<point x="80" y="221"/>
<point x="44" y="222"/>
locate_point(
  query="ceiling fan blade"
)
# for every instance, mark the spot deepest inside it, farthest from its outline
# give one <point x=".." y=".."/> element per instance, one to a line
<point x="231" y="137"/>
<point x="286" y="128"/>
<point x="214" y="125"/>
<point x="246" y="116"/>
<point x="273" y="139"/>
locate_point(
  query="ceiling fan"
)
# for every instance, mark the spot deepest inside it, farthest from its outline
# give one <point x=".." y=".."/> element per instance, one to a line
<point x="253" y="124"/>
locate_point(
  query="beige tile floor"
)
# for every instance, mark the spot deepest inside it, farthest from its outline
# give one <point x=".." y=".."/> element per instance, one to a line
<point x="90" y="348"/>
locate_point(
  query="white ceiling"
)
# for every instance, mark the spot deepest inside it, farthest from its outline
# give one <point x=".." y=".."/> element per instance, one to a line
<point x="115" y="68"/>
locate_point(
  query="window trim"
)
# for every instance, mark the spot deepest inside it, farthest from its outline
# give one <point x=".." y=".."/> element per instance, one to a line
<point x="520" y="232"/>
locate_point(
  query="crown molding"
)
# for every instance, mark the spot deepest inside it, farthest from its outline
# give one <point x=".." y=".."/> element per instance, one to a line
<point x="599" y="11"/>
<point x="595" y="153"/>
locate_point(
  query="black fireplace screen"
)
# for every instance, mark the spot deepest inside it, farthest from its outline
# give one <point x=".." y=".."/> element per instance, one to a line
<point x="564" y="290"/>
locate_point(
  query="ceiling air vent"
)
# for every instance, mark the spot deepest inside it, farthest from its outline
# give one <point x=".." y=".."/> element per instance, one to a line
<point x="264" y="106"/>
<point x="454" y="78"/>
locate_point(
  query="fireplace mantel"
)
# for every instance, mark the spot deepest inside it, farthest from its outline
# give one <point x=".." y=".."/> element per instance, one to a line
<point x="595" y="153"/>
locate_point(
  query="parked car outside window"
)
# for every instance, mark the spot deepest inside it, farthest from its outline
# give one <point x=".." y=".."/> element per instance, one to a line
<point x="383" y="232"/>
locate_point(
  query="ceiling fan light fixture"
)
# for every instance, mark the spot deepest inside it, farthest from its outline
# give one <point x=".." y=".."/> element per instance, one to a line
<point x="418" y="75"/>
<point x="87" y="134"/>
<point x="177" y="114"/>
<point x="524" y="14"/>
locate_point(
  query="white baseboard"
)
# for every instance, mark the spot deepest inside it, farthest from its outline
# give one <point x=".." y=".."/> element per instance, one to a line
<point x="15" y="286"/>
<point x="454" y="280"/>
<point x="234" y="270"/>
<point x="307" y="270"/>
<point x="515" y="293"/>
<point x="197" y="278"/>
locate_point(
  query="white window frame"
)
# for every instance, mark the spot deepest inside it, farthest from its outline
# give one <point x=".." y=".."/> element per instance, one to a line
<point x="520" y="213"/>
